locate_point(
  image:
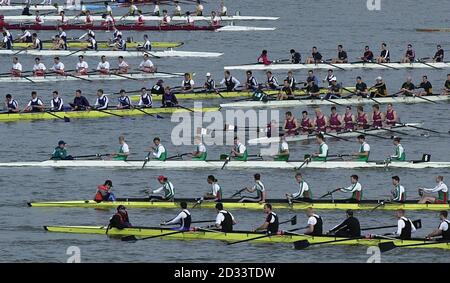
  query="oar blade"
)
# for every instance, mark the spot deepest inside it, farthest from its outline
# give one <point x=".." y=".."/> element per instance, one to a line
<point x="294" y="220"/>
<point x="386" y="246"/>
<point x="131" y="238"/>
<point x="301" y="245"/>
<point x="417" y="223"/>
<point x="66" y="119"/>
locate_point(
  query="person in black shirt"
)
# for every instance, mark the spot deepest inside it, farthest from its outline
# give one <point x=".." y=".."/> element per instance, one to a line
<point x="120" y="219"/>
<point x="79" y="102"/>
<point x="439" y="55"/>
<point x="446" y="90"/>
<point x="361" y="87"/>
<point x="296" y="57"/>
<point x="342" y="55"/>
<point x="315" y="58"/>
<point x="368" y="55"/>
<point x="158" y="88"/>
<point x="271" y="223"/>
<point x="426" y="86"/>
<point x="408" y="87"/>
<point x="312" y="89"/>
<point x="385" y="55"/>
<point x="349" y="228"/>
<point x="285" y="92"/>
<point x="334" y="89"/>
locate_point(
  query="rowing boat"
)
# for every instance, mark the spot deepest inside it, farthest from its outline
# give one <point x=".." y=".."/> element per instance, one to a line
<point x="346" y="66"/>
<point x="234" y="204"/>
<point x="16" y="117"/>
<point x="353" y="100"/>
<point x="198" y="234"/>
<point x="103" y="44"/>
<point x="125" y="27"/>
<point x="109" y="53"/>
<point x="433" y="29"/>
<point x="57" y="78"/>
<point x="38" y="7"/>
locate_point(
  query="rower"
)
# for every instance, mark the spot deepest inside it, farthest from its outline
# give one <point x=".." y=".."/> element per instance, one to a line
<point x="38" y="20"/>
<point x="312" y="77"/>
<point x="157" y="89"/>
<point x="361" y="88"/>
<point x="270" y="225"/>
<point x="166" y="19"/>
<point x="140" y="18"/>
<point x="37" y="43"/>
<point x="321" y="121"/>
<point x="426" y="86"/>
<point x="210" y="84"/>
<point x="216" y="191"/>
<point x="145" y="99"/>
<point x="404" y="226"/>
<point x="368" y="55"/>
<point x="303" y="194"/>
<point x="56" y="104"/>
<point x="439" y="55"/>
<point x="200" y="152"/>
<point x="263" y="58"/>
<point x="120" y="44"/>
<point x="362" y="119"/>
<point x="156" y="9"/>
<point x="103" y="66"/>
<point x="199" y="8"/>
<point x="104" y="192"/>
<point x="391" y="115"/>
<point x="8" y="34"/>
<point x="296" y="57"/>
<point x="187" y="84"/>
<point x="306" y="125"/>
<point x="167" y="189"/>
<point x="183" y="219"/>
<point x="159" y="151"/>
<point x="342" y="55"/>
<point x="80" y="102"/>
<point x="35" y="104"/>
<point x="147" y="46"/>
<point x="124" y="100"/>
<point x="355" y="189"/>
<point x="224" y="219"/>
<point x="101" y="103"/>
<point x="169" y="98"/>
<point x="122" y="66"/>
<point x="272" y="82"/>
<point x="215" y="20"/>
<point x="442" y="190"/>
<point x="291" y="80"/>
<point x="443" y="229"/>
<point x="62" y="34"/>
<point x="334" y="90"/>
<point x="11" y="104"/>
<point x="89" y="32"/>
<point x="177" y="11"/>
<point x="349" y="119"/>
<point x="350" y="228"/>
<point x="251" y="83"/>
<point x="385" y="55"/>
<point x="408" y="87"/>
<point x="57" y="43"/>
<point x="63" y="20"/>
<point x="82" y="66"/>
<point x="336" y="122"/>
<point x="260" y="190"/>
<point x="399" y="154"/>
<point x="223" y="9"/>
<point x="120" y="219"/>
<point x="88" y="19"/>
<point x="239" y="151"/>
<point x="323" y="149"/>
<point x="108" y="9"/>
<point x="330" y="76"/>
<point x="410" y="55"/>
<point x="380" y="88"/>
<point x="286" y="92"/>
<point x="132" y="9"/>
<point x="231" y="83"/>
<point x="398" y="193"/>
<point x="60" y="152"/>
<point x="124" y="150"/>
<point x="16" y="69"/>
<point x="446" y="90"/>
<point x="315" y="58"/>
<point x="108" y="21"/>
<point x="312" y="90"/>
<point x="146" y="65"/>
<point x="315" y="223"/>
<point x="189" y="19"/>
<point x="26" y="10"/>
<point x="283" y="150"/>
<point x="26" y="36"/>
<point x="364" y="149"/>
<point x="92" y="43"/>
<point x="58" y="66"/>
<point x="377" y="117"/>
<point x="6" y="42"/>
<point x="291" y="125"/>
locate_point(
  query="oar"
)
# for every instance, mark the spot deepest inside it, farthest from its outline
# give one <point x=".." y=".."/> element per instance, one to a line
<point x="384" y="65"/>
<point x="259" y="237"/>
<point x="77" y="77"/>
<point x="123" y="76"/>
<point x="146" y="113"/>
<point x="110" y="113"/>
<point x="186" y="108"/>
<point x="178" y="156"/>
<point x="420" y="128"/>
<point x="417" y="223"/>
<point x="303" y="164"/>
<point x="65" y="119"/>
<point x="387" y="246"/>
<point x="147" y="158"/>
<point x="330" y="193"/>
<point x="21" y="50"/>
<point x="333" y="65"/>
<point x="380" y="204"/>
<point x="238" y="192"/>
<point x="369" y="134"/>
<point x="151" y="55"/>
<point x="90" y="155"/>
<point x="303" y="244"/>
<point x="393" y="131"/>
<point x="200" y="221"/>
<point x="369" y="97"/>
<point x="331" y="135"/>
<point x="28" y="79"/>
<point x="422" y="61"/>
<point x="74" y="52"/>
<point x="426" y="99"/>
<point x="133" y="238"/>
<point x="226" y="160"/>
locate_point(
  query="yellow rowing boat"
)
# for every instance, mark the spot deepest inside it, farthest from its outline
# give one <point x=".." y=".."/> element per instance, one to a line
<point x="103" y="44"/>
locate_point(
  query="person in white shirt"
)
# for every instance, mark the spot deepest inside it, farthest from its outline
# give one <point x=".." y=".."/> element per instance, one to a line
<point x="215" y="20"/>
<point x="88" y="19"/>
<point x="108" y="21"/>
<point x="187" y="84"/>
<point x="146" y="65"/>
<point x="26" y="36"/>
<point x="303" y="193"/>
<point x="355" y="189"/>
<point x="405" y="227"/>
<point x="82" y="66"/>
<point x="283" y="150"/>
<point x="103" y="66"/>
<point x="101" y="103"/>
<point x="63" y="20"/>
<point x="108" y="9"/>
<point x="156" y="10"/>
<point x="56" y="104"/>
<point x="231" y="83"/>
<point x="145" y="99"/>
<point x="38" y="18"/>
<point x="159" y="151"/>
<point x="58" y="66"/>
<point x="224" y="219"/>
<point x="223" y="9"/>
<point x="315" y="223"/>
<point x="441" y="189"/>
<point x="122" y="66"/>
<point x="183" y="219"/>
<point x="16" y="69"/>
<point x="215" y="194"/>
<point x="364" y="149"/>
<point x="177" y="11"/>
<point x="443" y="229"/>
<point x="35" y="104"/>
<point x="39" y="68"/>
<point x="147" y="44"/>
<point x="199" y="8"/>
<point x="200" y="152"/>
<point x="124" y="150"/>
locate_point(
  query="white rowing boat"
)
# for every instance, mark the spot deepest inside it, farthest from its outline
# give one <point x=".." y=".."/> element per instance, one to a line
<point x="35" y="8"/>
<point x="345" y="66"/>
<point x="394" y="130"/>
<point x="187" y="164"/>
<point x="335" y="101"/>
<point x="48" y="79"/>
<point x="244" y="28"/>
<point x="109" y="53"/>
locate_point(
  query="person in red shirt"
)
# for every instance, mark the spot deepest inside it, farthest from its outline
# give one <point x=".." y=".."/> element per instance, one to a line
<point x="120" y="219"/>
<point x="263" y="58"/>
<point x="104" y="192"/>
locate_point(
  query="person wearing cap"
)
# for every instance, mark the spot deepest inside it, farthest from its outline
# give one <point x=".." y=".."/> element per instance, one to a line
<point x="342" y="55"/>
<point x="251" y="83"/>
<point x="200" y="152"/>
<point x="399" y="154"/>
<point x="441" y="189"/>
<point x="124" y="150"/>
<point x="349" y="228"/>
<point x="166" y="188"/>
<point x="120" y="219"/>
<point x="380" y="89"/>
<point x="355" y="189"/>
<point x="104" y="192"/>
<point x="410" y="55"/>
<point x="364" y="149"/>
<point x="334" y="89"/>
<point x="159" y="151"/>
<point x="146" y="65"/>
<point x="60" y="152"/>
<point x="183" y="219"/>
<point x="210" y="84"/>
<point x="385" y="55"/>
<point x="323" y="149"/>
<point x="296" y="57"/>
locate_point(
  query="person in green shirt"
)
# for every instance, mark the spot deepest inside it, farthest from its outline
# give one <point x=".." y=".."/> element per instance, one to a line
<point x="200" y="152"/>
<point x="364" y="149"/>
<point x="399" y="154"/>
<point x="323" y="149"/>
<point x="60" y="152"/>
<point x="124" y="150"/>
<point x="283" y="151"/>
<point x="159" y="151"/>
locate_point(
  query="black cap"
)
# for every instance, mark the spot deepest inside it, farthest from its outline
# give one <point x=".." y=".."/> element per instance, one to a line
<point x="108" y="182"/>
<point x="61" y="142"/>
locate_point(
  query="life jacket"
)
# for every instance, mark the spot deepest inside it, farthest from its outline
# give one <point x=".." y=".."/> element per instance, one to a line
<point x="227" y="222"/>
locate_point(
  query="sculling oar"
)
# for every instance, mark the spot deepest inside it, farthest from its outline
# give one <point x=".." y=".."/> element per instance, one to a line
<point x="77" y="77"/>
<point x="186" y="108"/>
<point x="227" y="160"/>
<point x="330" y="193"/>
<point x="369" y="134"/>
<point x="426" y="99"/>
<point x="133" y="238"/>
<point x="387" y="246"/>
<point x="331" y="135"/>
<point x="146" y="113"/>
<point x="90" y="155"/>
<point x="369" y="97"/>
<point x="332" y="65"/>
<point x="147" y="158"/>
<point x="393" y="131"/>
<point x="178" y="156"/>
<point x="422" y="61"/>
<point x="307" y="160"/>
<point x="417" y="223"/>
<point x="123" y="76"/>
<point x="382" y="203"/>
<point x="109" y="113"/>
<point x="384" y="65"/>
<point x="303" y="244"/>
<point x="420" y="128"/>
<point x="238" y="193"/>
<point x="65" y="119"/>
<point x="74" y="52"/>
<point x="260" y="237"/>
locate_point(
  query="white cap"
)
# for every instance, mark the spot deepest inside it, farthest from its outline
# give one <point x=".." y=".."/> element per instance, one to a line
<point x="333" y="79"/>
<point x="208" y="74"/>
<point x="379" y="78"/>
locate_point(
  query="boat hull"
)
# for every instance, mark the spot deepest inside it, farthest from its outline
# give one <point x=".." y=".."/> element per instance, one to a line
<point x="78" y="44"/>
<point x="120" y="27"/>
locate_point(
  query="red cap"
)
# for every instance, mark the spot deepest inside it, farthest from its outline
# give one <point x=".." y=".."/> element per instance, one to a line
<point x="161" y="178"/>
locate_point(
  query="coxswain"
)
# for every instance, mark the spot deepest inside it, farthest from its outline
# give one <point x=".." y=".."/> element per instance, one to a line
<point x="230" y="82"/>
<point x="189" y="19"/>
<point x="283" y="150"/>
<point x="404" y="226"/>
<point x="183" y="219"/>
<point x="223" y="9"/>
<point x="101" y="103"/>
<point x="120" y="44"/>
<point x="312" y="77"/>
<point x="122" y="66"/>
<point x="439" y="55"/>
<point x="315" y="58"/>
<point x="140" y="21"/>
<point x="199" y="8"/>
<point x="147" y="46"/>
<point x="215" y="20"/>
<point x="145" y="99"/>
<point x="315" y="223"/>
<point x="355" y="189"/>
<point x="200" y="152"/>
<point x="361" y="88"/>
<point x="82" y="66"/>
<point x="398" y="194"/>
<point x="286" y="91"/>
<point x="341" y="55"/>
<point x="120" y="219"/>
<point x="391" y="116"/>
<point x="37" y="43"/>
<point x="166" y="19"/>
<point x="349" y="119"/>
<point x="187" y="85"/>
<point x="167" y="189"/>
<point x="296" y="57"/>
<point x="239" y="151"/>
<point x="92" y="42"/>
<point x="321" y="121"/>
<point x="270" y="225"/>
<point x="88" y="19"/>
<point x="426" y="86"/>
<point x="251" y="83"/>
<point x="216" y="191"/>
<point x="60" y="152"/>
<point x="380" y="89"/>
<point x="349" y="228"/>
<point x="104" y="192"/>
<point x="263" y="58"/>
<point x="146" y="65"/>
<point x="80" y="102"/>
<point x="330" y="76"/>
<point x="58" y="66"/>
<point x="103" y="66"/>
<point x="57" y="43"/>
<point x="210" y="84"/>
<point x="312" y="90"/>
<point x="306" y="125"/>
<point x="408" y="87"/>
<point x="334" y="90"/>
<point x="159" y="151"/>
<point x="6" y="42"/>
<point x="56" y="104"/>
<point x="38" y="20"/>
<point x="443" y="229"/>
<point x="16" y="69"/>
<point x="224" y="219"/>
<point x="177" y="11"/>
<point x="385" y="55"/>
<point x="377" y="117"/>
<point x="272" y="82"/>
<point x="364" y="149"/>
<point x="156" y="9"/>
<point x="362" y="120"/>
<point x="35" y="104"/>
<point x="303" y="194"/>
<point x="169" y="98"/>
<point x="63" y="20"/>
<point x="124" y="100"/>
<point x="336" y="122"/>
<point x="157" y="89"/>
<point x="410" y="55"/>
<point x="323" y="149"/>
<point x="368" y="55"/>
<point x="25" y="36"/>
<point x="291" y="125"/>
<point x="441" y="189"/>
<point x="11" y="104"/>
